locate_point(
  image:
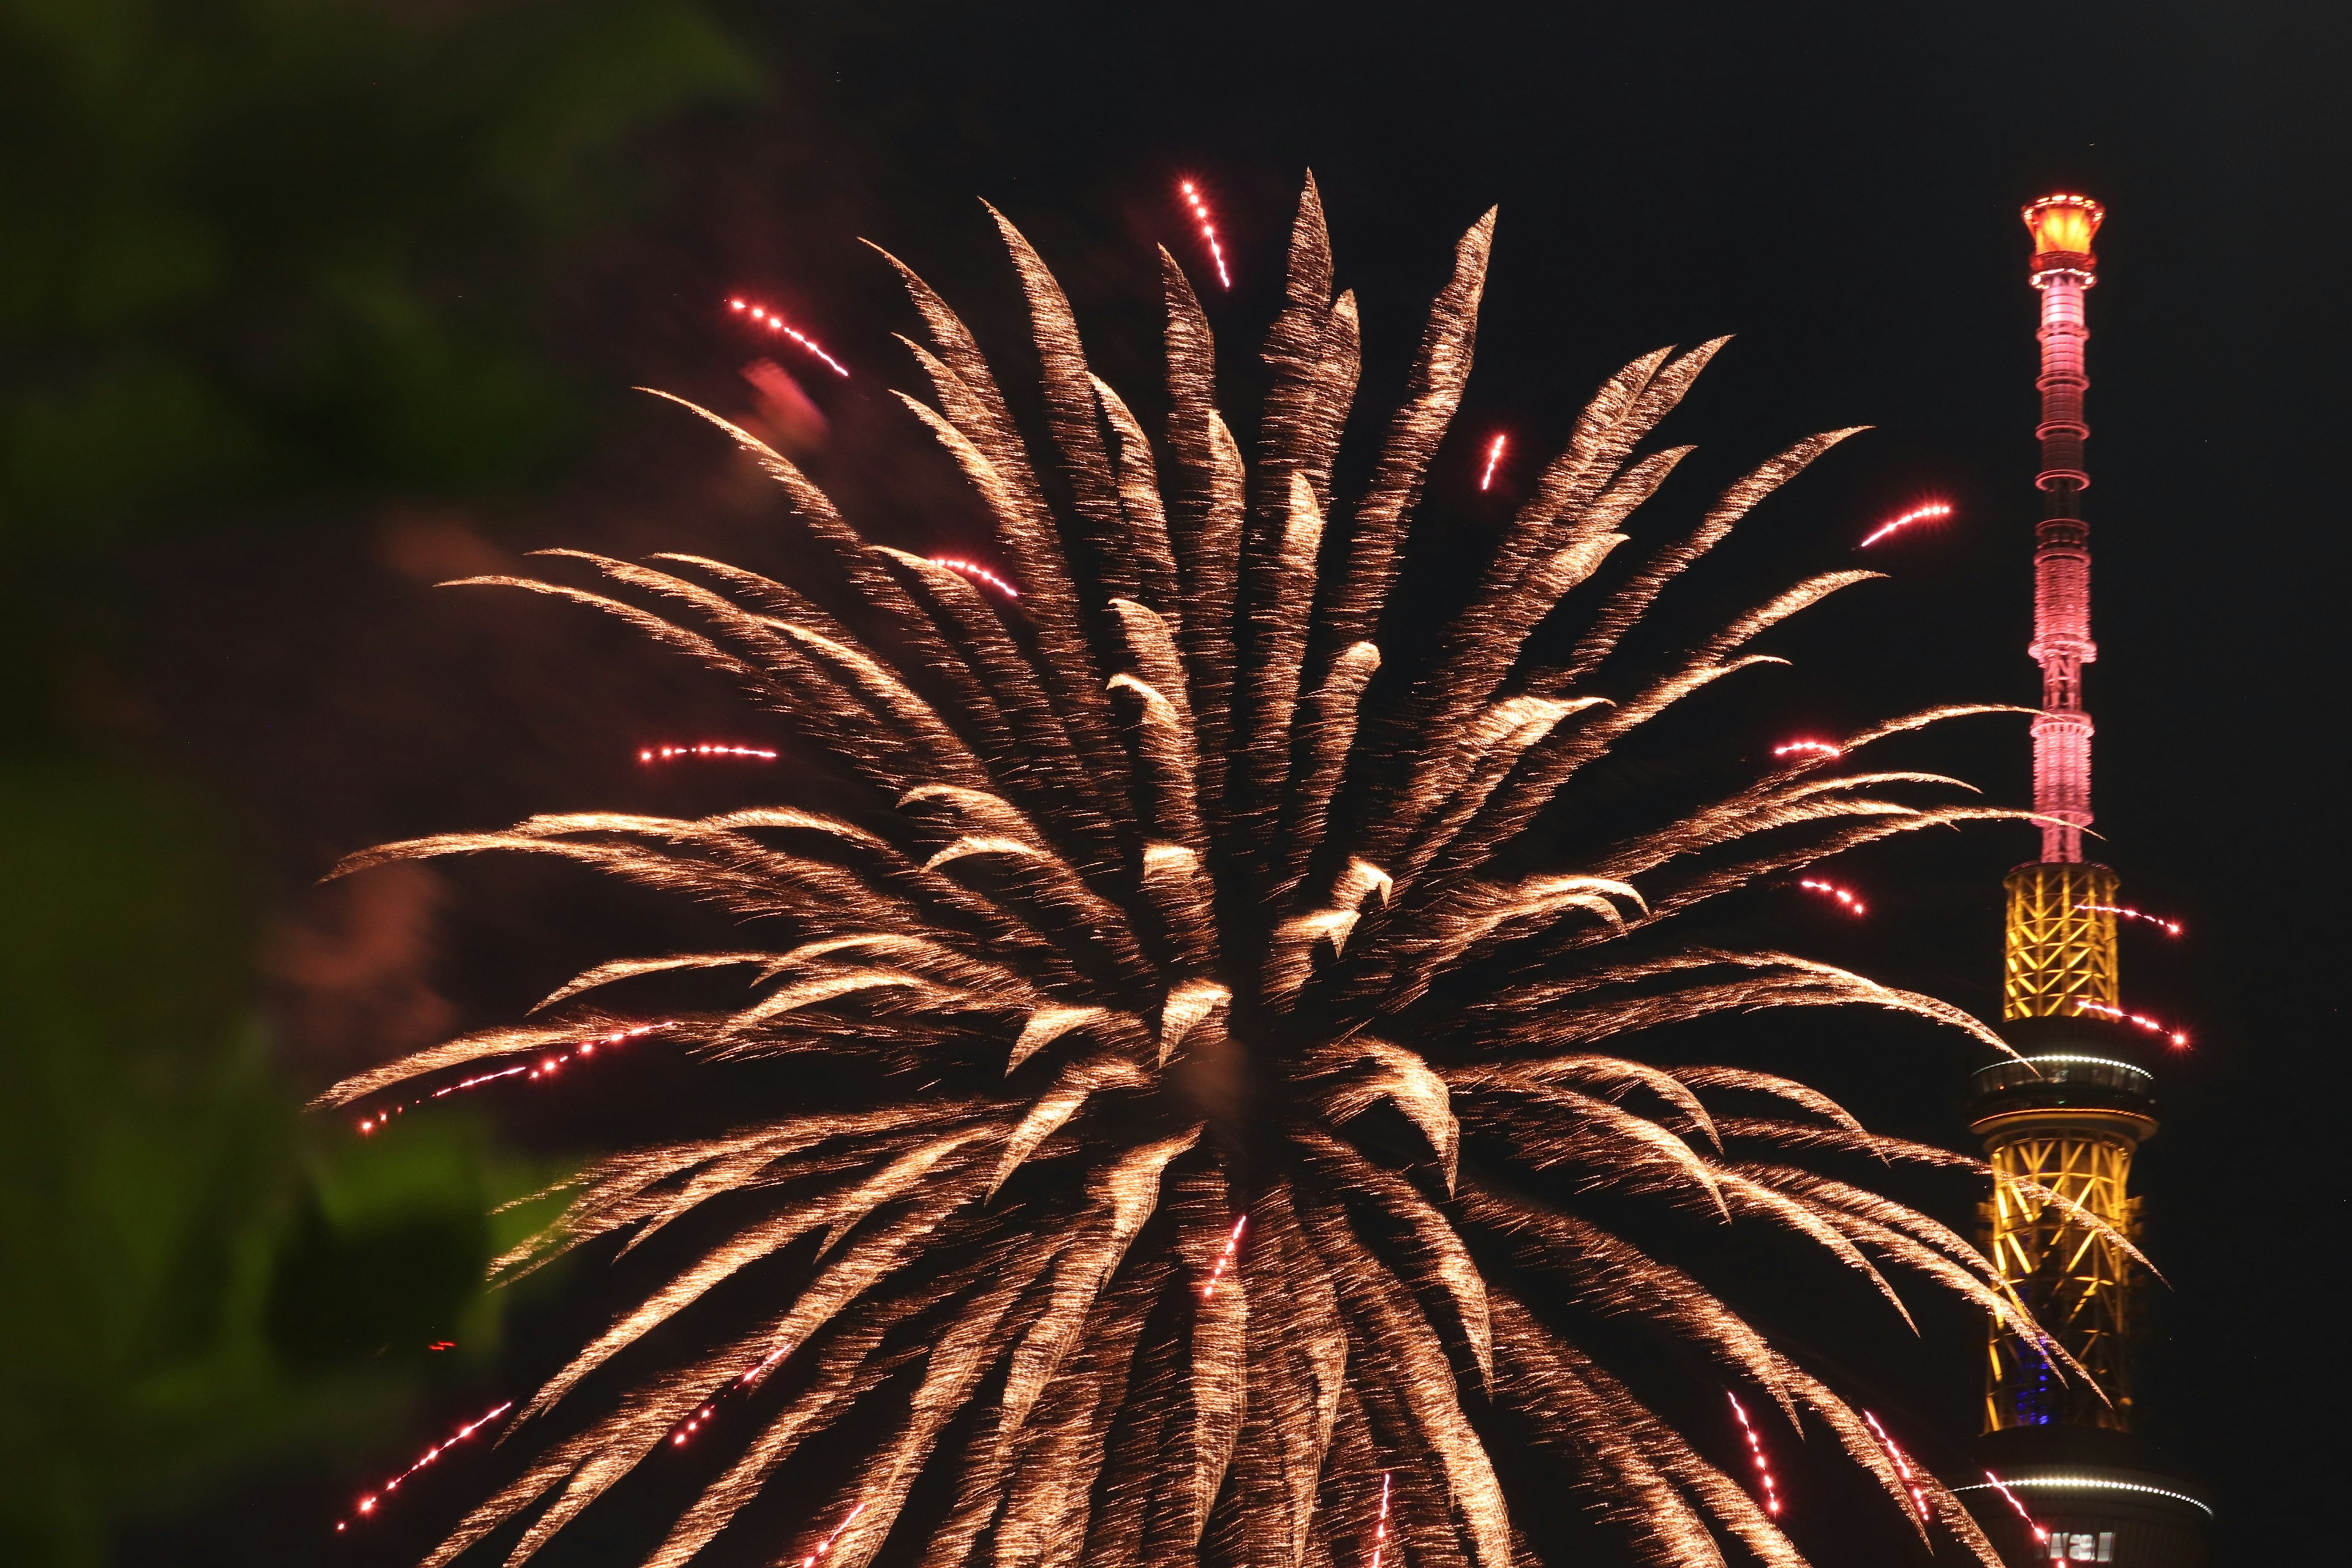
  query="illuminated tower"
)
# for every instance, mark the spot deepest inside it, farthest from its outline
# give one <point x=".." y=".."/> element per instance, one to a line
<point x="2060" y="1126"/>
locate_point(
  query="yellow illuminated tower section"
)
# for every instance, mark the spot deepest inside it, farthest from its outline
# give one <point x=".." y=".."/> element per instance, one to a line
<point x="2062" y="1122"/>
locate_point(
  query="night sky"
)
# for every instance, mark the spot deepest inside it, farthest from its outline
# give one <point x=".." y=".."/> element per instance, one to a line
<point x="1836" y="184"/>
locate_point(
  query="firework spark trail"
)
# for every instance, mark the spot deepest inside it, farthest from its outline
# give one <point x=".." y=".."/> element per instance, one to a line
<point x="2171" y="927"/>
<point x="1808" y="748"/>
<point x="1845" y="896"/>
<point x="2139" y="1020"/>
<point x="1380" y="1530"/>
<point x="1927" y="513"/>
<point x="978" y="572"/>
<point x="749" y="1377"/>
<point x="1225" y="1258"/>
<point x="1493" y="456"/>
<point x="776" y="323"/>
<point x="1009" y="1036"/>
<point x="368" y="1504"/>
<point x="1208" y="229"/>
<point x="826" y="1544"/>
<point x="664" y="754"/>
<point x="546" y="1066"/>
<point x="1755" y="1452"/>
<point x="1902" y="1466"/>
<point x="2002" y="1487"/>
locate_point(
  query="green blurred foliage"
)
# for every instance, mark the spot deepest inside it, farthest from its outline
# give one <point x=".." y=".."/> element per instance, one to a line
<point x="257" y="258"/>
<point x="259" y="250"/>
<point x="195" y="1275"/>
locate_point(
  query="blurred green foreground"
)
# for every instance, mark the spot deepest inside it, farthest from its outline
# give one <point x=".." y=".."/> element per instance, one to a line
<point x="259" y="260"/>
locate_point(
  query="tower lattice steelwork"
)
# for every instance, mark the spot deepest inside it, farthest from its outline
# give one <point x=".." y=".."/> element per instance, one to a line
<point x="2061" y="1127"/>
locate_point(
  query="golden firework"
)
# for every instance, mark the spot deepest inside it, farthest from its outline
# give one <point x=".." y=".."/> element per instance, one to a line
<point x="1166" y="902"/>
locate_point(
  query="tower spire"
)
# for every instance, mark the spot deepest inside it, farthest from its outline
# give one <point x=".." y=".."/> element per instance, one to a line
<point x="2064" y="270"/>
<point x="2060" y="955"/>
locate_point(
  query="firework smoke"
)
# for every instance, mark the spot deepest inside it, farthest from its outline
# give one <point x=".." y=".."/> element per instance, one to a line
<point x="1228" y="1090"/>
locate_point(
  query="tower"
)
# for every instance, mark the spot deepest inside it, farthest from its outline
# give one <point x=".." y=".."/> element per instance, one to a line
<point x="2060" y="1126"/>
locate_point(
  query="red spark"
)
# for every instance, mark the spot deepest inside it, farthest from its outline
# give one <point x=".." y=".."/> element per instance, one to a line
<point x="811" y="1560"/>
<point x="1755" y="1452"/>
<point x="1808" y="748"/>
<point x="1902" y="1464"/>
<point x="2172" y="928"/>
<point x="776" y="323"/>
<point x="2180" y="1038"/>
<point x="1493" y="456"/>
<point x="2002" y="1487"/>
<point x="367" y="1505"/>
<point x="1380" y="1531"/>
<point x="978" y="572"/>
<point x="1843" y="895"/>
<point x="1208" y="229"/>
<point x="745" y="1379"/>
<point x="442" y="1345"/>
<point x="546" y="1066"/>
<point x="1927" y="513"/>
<point x="664" y="754"/>
<point x="1225" y="1258"/>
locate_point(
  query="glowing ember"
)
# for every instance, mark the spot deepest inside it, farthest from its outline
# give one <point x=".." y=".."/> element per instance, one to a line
<point x="1380" y="1531"/>
<point x="664" y="754"/>
<point x="748" y="1378"/>
<point x="1843" y="895"/>
<point x="1755" y="1452"/>
<point x="1927" y="513"/>
<point x="775" y="323"/>
<point x="1902" y="1464"/>
<point x="827" y="1545"/>
<point x="1808" y="748"/>
<point x="2172" y="928"/>
<point x="977" y="574"/>
<point x="2141" y="1020"/>
<point x="546" y="1066"/>
<point x="2000" y="1487"/>
<point x="1208" y="229"/>
<point x="1225" y="1258"/>
<point x="1493" y="456"/>
<point x="368" y="1504"/>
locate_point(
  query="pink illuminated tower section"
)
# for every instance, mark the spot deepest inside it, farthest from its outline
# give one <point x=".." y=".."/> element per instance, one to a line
<point x="2064" y="270"/>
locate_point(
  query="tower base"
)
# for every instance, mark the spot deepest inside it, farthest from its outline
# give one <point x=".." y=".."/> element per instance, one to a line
<point x="2087" y="1499"/>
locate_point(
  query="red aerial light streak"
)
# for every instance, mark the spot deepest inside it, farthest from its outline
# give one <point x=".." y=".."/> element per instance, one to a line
<point x="1812" y="748"/>
<point x="1902" y="1464"/>
<point x="1208" y="229"/>
<point x="1755" y="1452"/>
<point x="1929" y="513"/>
<point x="2172" y="928"/>
<point x="743" y="1380"/>
<point x="811" y="1560"/>
<point x="1380" y="1531"/>
<point x="1843" y="895"/>
<point x="2180" y="1038"/>
<point x="2002" y="1487"/>
<point x="546" y="1066"/>
<point x="977" y="573"/>
<point x="368" y="1504"/>
<point x="776" y="323"/>
<point x="664" y="754"/>
<point x="1225" y="1258"/>
<point x="1493" y="456"/>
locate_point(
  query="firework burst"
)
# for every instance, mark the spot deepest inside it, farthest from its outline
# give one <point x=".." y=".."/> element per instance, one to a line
<point x="1241" y="1110"/>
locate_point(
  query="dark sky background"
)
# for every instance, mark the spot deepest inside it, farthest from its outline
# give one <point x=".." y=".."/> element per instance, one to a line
<point x="1837" y="184"/>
